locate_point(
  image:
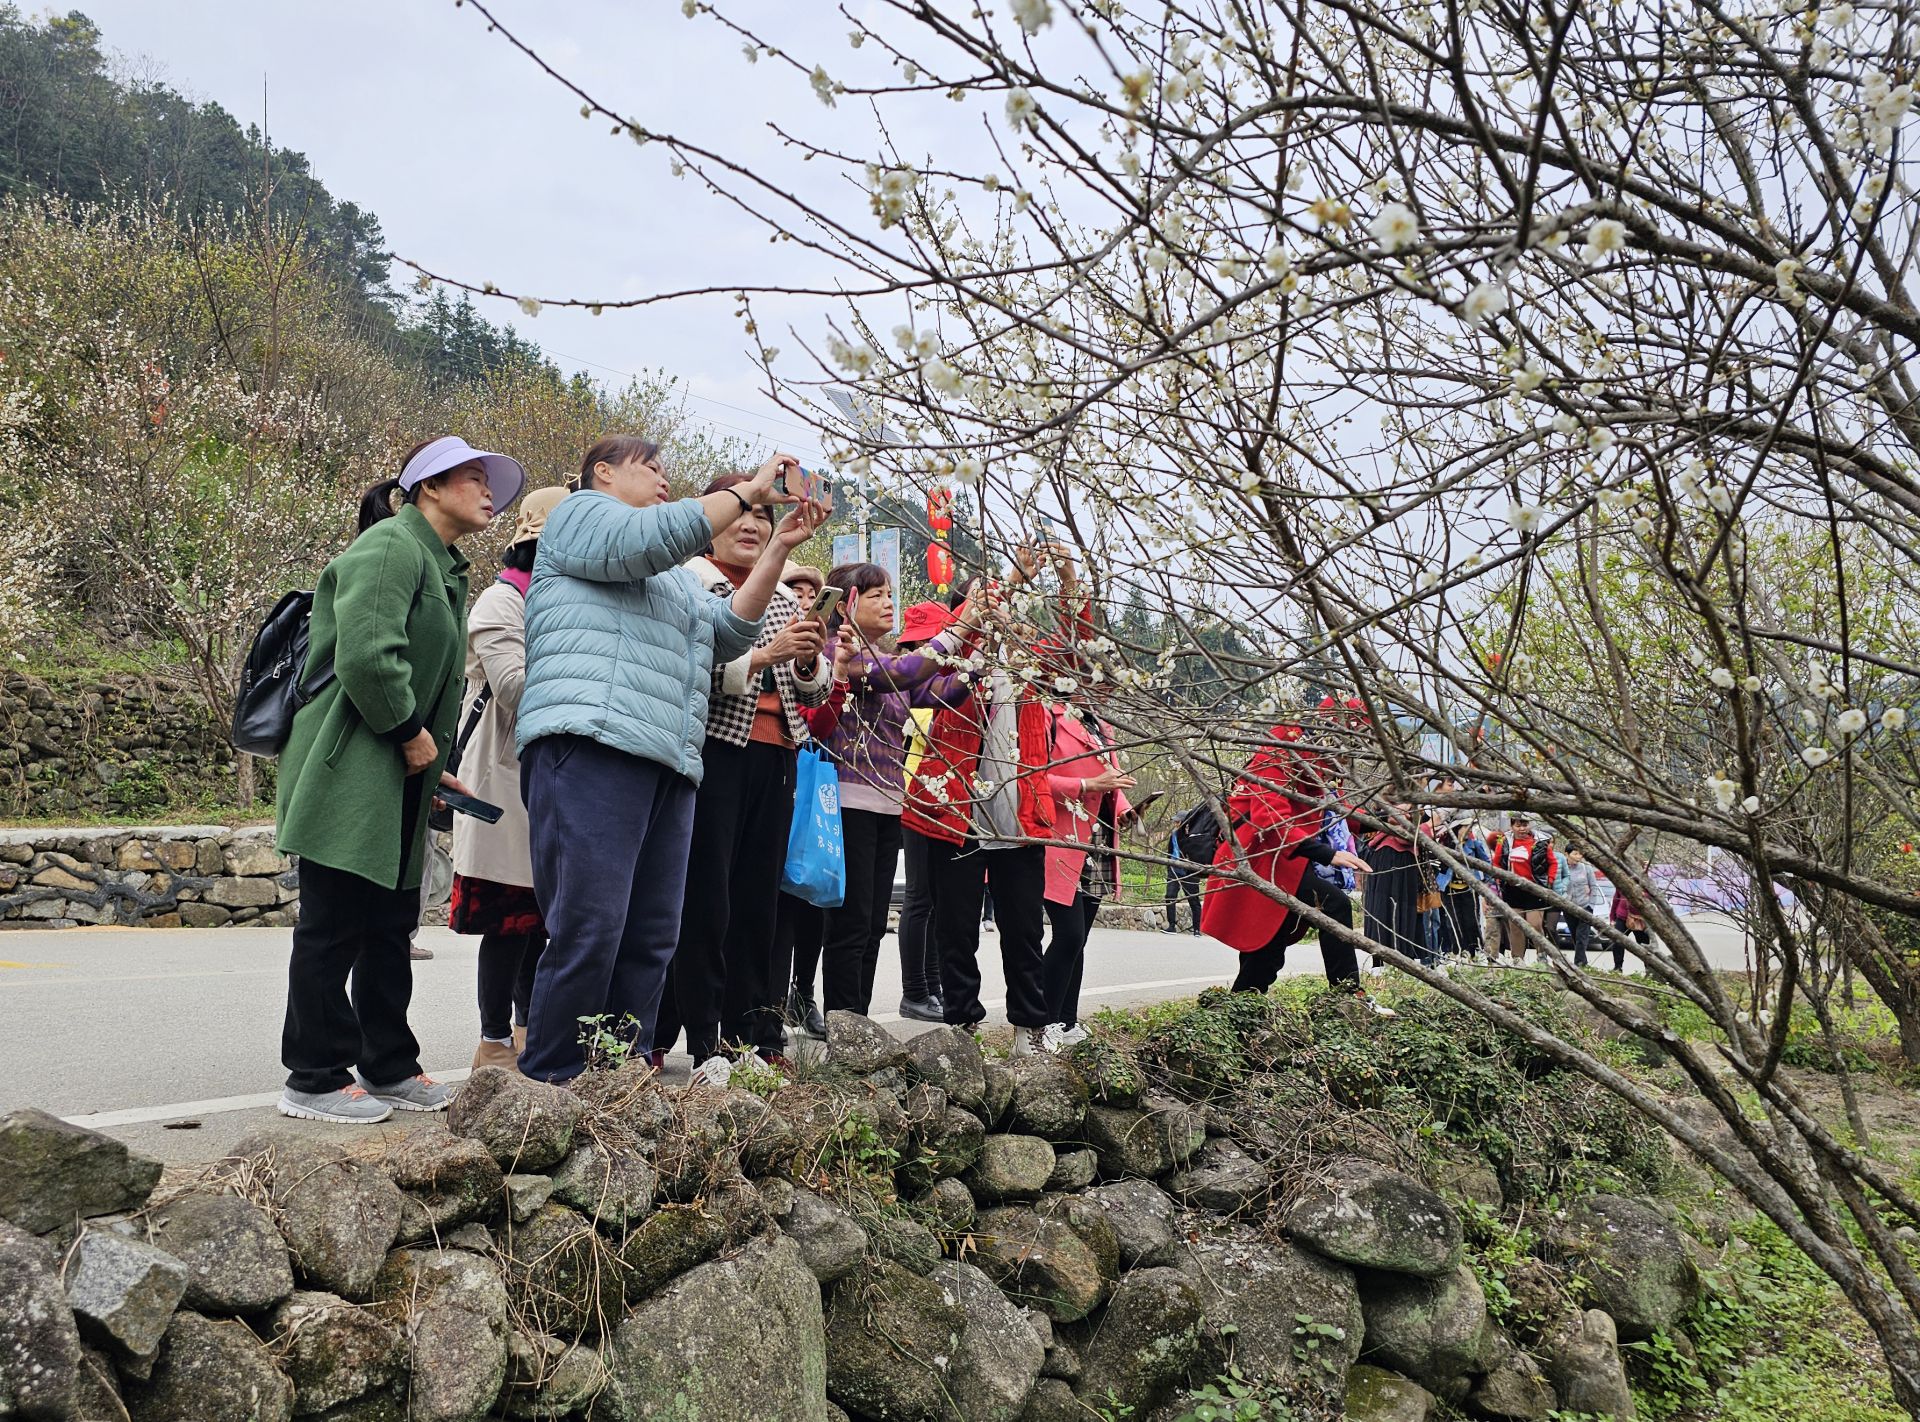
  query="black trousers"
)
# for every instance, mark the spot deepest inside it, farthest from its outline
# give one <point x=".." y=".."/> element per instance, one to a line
<point x="1184" y="883"/>
<point x="1066" y="958"/>
<point x="507" y="961"/>
<point x="919" y="962"/>
<point x="1463" y="914"/>
<point x="1019" y="883"/>
<point x="850" y="943"/>
<point x="349" y="982"/>
<point x="797" y="926"/>
<point x="724" y="987"/>
<point x="1260" y="968"/>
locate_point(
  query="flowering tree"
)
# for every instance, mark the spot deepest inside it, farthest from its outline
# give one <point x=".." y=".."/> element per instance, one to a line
<point x="1499" y="356"/>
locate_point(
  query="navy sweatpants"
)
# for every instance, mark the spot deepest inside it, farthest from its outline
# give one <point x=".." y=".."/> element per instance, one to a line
<point x="609" y="833"/>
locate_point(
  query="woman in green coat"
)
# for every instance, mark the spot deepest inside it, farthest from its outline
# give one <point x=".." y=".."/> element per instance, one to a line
<point x="390" y="615"/>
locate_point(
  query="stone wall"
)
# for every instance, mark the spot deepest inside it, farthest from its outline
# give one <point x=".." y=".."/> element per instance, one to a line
<point x="193" y="876"/>
<point x="76" y="745"/>
<point x="915" y="1233"/>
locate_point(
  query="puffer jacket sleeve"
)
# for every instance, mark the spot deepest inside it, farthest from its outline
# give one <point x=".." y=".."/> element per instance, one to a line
<point x="733" y="635"/>
<point x="376" y="578"/>
<point x="594" y="536"/>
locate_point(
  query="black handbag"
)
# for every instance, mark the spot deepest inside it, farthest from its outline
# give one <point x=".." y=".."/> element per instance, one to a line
<point x="271" y="691"/>
<point x="441" y="816"/>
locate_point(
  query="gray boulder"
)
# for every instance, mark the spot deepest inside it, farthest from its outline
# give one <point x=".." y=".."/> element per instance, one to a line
<point x="1112" y="1075"/>
<point x="1514" y="1390"/>
<point x="1434" y="1330"/>
<point x="1073" y="1169"/>
<point x="1148" y="1339"/>
<point x="236" y="1260"/>
<point x="906" y="1242"/>
<point x="1010" y="1168"/>
<point x="1053" y="1401"/>
<point x="891" y="1337"/>
<point x="607" y="1178"/>
<point x="997" y="1099"/>
<point x="548" y="1377"/>
<point x="40" y="1359"/>
<point x="740" y="1337"/>
<point x="1582" y="1355"/>
<point x="98" y="1393"/>
<point x="339" y="1215"/>
<point x="525" y="1194"/>
<point x="950" y="1059"/>
<point x="211" y="1370"/>
<point x="1467" y="1176"/>
<point x="1049" y="1097"/>
<point x="333" y="1351"/>
<point x="828" y="1239"/>
<point x="52" y="1173"/>
<point x="1090" y="1222"/>
<point x="1147" y="1141"/>
<point x="949" y="1207"/>
<point x="1038" y="1263"/>
<point x="558" y="1272"/>
<point x="1362" y="1213"/>
<point x="123" y="1291"/>
<point x="744" y="1124"/>
<point x="1263" y="1291"/>
<point x="1222" y="1178"/>
<point x="1636" y="1264"/>
<point x="448" y="1179"/>
<point x="1375" y="1395"/>
<point x="526" y="1125"/>
<point x="858" y="1045"/>
<point x="1142" y="1217"/>
<point x="999" y="1357"/>
<point x="669" y="1243"/>
<point x="455" y="1306"/>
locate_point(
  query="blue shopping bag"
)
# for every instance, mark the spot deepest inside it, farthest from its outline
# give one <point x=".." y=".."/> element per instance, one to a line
<point x="816" y="868"/>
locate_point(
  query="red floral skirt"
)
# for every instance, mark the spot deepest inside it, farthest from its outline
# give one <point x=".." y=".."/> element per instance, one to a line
<point x="482" y="906"/>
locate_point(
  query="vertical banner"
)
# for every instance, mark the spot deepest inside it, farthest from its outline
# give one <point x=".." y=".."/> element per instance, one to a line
<point x="847" y="549"/>
<point x="886" y="553"/>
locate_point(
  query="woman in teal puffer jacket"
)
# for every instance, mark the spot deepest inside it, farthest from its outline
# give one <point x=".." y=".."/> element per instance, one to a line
<point x="621" y="644"/>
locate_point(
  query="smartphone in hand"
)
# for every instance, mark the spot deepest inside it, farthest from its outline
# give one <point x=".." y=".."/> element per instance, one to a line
<point x="468" y="805"/>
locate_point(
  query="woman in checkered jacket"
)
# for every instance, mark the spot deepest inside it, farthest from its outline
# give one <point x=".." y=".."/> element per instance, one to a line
<point x="723" y="987"/>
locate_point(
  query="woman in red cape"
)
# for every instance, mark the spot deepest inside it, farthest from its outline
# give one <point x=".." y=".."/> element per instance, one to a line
<point x="1276" y="810"/>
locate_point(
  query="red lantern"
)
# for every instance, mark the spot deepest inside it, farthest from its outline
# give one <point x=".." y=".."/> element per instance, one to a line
<point x="939" y="565"/>
<point x="940" y="510"/>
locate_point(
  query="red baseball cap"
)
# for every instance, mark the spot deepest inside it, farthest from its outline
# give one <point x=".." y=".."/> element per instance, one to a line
<point x="924" y="621"/>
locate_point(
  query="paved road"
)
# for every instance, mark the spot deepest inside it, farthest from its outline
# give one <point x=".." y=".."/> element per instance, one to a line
<point x="135" y="1031"/>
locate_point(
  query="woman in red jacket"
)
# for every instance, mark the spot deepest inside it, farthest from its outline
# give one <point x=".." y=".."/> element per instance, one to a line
<point x="982" y="797"/>
<point x="1275" y="812"/>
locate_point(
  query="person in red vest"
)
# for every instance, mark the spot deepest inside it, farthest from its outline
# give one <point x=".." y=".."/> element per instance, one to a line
<point x="1533" y="861"/>
<point x="1274" y="812"/>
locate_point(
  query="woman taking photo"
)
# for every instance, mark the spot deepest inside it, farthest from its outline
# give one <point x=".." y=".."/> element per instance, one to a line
<point x="621" y="645"/>
<point x="1090" y="805"/>
<point x="869" y="745"/>
<point x="724" y="986"/>
<point x="389" y="616"/>
<point x="492" y="865"/>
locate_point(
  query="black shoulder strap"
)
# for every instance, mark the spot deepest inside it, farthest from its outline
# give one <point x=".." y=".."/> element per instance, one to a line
<point x="474" y="713"/>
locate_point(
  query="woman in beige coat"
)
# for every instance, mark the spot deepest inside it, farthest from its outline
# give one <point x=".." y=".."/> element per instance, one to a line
<point x="493" y="863"/>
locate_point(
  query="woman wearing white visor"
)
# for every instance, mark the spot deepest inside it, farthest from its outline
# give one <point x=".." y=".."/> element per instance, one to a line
<point x="389" y="617"/>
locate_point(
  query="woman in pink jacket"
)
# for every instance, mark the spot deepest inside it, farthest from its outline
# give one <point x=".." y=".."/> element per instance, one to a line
<point x="1089" y="793"/>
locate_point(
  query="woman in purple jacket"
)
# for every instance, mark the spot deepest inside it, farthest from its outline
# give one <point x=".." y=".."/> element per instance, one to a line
<point x="869" y="745"/>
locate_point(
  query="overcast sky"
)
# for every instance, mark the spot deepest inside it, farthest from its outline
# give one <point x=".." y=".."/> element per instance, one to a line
<point x="481" y="167"/>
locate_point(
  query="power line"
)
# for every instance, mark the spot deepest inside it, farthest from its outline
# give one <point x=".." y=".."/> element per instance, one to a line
<point x="704" y="419"/>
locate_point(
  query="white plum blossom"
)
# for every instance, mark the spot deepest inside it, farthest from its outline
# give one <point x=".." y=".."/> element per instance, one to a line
<point x="1750" y="683"/>
<point x="1277" y="262"/>
<point x="1020" y="108"/>
<point x="1851" y="721"/>
<point x="1894" y="718"/>
<point x="1784" y="272"/>
<point x="1721" y="677"/>
<point x="1816" y="756"/>
<point x="1525" y="519"/>
<point x="1485" y="301"/>
<point x="823" y="85"/>
<point x="1528" y="378"/>
<point x="1604" y="238"/>
<point x="1751" y="804"/>
<point x="1032" y="15"/>
<point x="529" y="306"/>
<point x="1564" y="423"/>
<point x="1725" y="791"/>
<point x="858" y="359"/>
<point x="1600" y="439"/>
<point x="1395" y="228"/>
<point x="941" y="376"/>
<point x="968" y="470"/>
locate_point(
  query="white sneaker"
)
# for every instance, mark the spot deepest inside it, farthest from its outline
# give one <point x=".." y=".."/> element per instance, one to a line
<point x="1065" y="1036"/>
<point x="989" y="926"/>
<point x="1374" y="1005"/>
<point x="1375" y="970"/>
<point x="714" y="1071"/>
<point x="1440" y="971"/>
<point x="1031" y="1041"/>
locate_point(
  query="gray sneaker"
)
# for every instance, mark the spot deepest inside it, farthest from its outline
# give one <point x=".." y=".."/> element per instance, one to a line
<point x="416" y="1093"/>
<point x="349" y="1106"/>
